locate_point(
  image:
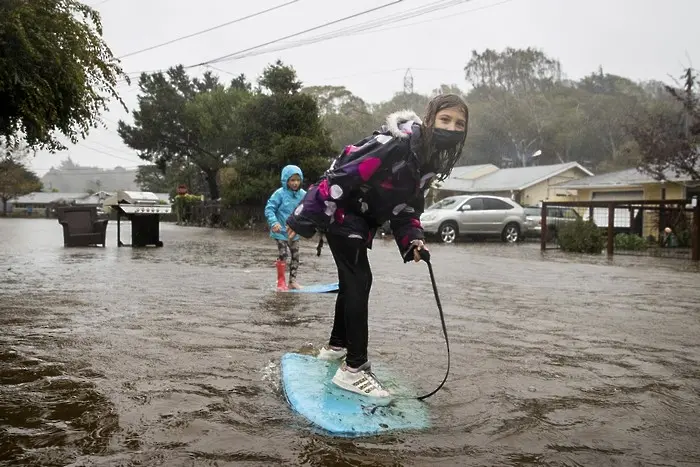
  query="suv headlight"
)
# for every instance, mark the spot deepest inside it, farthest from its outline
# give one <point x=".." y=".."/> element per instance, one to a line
<point x="427" y="217"/>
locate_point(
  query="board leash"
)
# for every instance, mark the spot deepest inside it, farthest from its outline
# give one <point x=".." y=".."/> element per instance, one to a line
<point x="425" y="256"/>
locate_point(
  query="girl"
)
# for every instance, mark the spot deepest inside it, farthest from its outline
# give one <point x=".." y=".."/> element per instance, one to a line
<point x="383" y="177"/>
<point x="278" y="208"/>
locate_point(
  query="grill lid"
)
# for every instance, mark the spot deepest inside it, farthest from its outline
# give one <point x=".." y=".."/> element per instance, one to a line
<point x="132" y="197"/>
<point x="137" y="202"/>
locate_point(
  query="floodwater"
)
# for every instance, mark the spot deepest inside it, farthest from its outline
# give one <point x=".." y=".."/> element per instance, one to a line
<point x="169" y="356"/>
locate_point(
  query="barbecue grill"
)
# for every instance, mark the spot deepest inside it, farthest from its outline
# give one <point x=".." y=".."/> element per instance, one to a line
<point x="143" y="209"/>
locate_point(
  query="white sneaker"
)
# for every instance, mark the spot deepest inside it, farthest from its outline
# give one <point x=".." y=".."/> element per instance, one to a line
<point x="362" y="382"/>
<point x="326" y="353"/>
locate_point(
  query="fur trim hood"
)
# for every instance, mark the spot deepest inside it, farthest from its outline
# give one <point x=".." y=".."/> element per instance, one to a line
<point x="399" y="123"/>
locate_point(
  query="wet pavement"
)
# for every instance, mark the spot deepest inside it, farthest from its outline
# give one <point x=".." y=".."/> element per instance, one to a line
<point x="169" y="356"/>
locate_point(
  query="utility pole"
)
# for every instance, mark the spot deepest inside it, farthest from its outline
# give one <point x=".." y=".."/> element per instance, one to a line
<point x="408" y="82"/>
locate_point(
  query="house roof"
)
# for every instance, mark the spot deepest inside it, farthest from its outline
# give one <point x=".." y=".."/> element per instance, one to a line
<point x="462" y="178"/>
<point x="469" y="172"/>
<point x="514" y="179"/>
<point x="620" y="179"/>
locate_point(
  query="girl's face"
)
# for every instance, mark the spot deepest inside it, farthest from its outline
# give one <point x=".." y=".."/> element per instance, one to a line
<point x="452" y="119"/>
<point x="294" y="182"/>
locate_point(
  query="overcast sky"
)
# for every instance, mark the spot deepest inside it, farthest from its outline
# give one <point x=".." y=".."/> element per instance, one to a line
<point x="639" y="39"/>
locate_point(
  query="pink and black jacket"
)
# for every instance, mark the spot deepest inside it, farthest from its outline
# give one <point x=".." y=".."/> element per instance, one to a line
<point x="382" y="181"/>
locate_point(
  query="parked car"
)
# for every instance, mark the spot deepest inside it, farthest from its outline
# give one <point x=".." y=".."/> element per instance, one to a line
<point x="556" y="216"/>
<point x="474" y="216"/>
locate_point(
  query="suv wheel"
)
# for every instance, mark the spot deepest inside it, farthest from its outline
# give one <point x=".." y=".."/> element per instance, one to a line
<point x="448" y="232"/>
<point x="511" y="233"/>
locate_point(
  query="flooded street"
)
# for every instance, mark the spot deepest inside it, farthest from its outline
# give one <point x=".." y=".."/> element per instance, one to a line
<point x="123" y="357"/>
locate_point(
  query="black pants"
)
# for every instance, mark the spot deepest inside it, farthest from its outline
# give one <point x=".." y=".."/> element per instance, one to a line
<point x="355" y="281"/>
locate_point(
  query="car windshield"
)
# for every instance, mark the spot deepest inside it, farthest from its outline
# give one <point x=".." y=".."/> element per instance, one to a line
<point x="533" y="211"/>
<point x="447" y="203"/>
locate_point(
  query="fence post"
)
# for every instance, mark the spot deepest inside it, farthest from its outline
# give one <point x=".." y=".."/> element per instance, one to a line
<point x="695" y="230"/>
<point x="611" y="228"/>
<point x="543" y="222"/>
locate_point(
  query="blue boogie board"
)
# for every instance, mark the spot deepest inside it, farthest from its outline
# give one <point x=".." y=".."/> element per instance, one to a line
<point x="317" y="288"/>
<point x="308" y="388"/>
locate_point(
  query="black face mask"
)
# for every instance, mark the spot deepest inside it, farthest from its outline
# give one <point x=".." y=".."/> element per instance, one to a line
<point x="444" y="140"/>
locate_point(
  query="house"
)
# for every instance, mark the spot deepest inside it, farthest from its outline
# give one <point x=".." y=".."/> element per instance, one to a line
<point x="525" y="185"/>
<point x="41" y="203"/>
<point x="460" y="178"/>
<point x="631" y="185"/>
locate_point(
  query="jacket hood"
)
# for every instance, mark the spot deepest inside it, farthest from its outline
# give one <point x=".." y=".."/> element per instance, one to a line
<point x="287" y="173"/>
<point x="399" y="123"/>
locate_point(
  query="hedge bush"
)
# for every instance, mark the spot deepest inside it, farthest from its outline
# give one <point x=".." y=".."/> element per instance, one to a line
<point x="630" y="242"/>
<point x="581" y="237"/>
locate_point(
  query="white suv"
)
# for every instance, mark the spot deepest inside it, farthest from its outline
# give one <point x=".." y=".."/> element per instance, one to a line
<point x="475" y="216"/>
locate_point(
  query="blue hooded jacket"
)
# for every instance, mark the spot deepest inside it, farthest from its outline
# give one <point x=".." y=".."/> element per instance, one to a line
<point x="283" y="202"/>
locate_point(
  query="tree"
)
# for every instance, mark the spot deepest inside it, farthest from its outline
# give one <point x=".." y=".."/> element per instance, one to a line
<point x="518" y="85"/>
<point x="185" y="121"/>
<point x="278" y="125"/>
<point x="178" y="172"/>
<point x="347" y="117"/>
<point x="522" y="105"/>
<point x="56" y="73"/>
<point x="15" y="180"/>
<point x="668" y="134"/>
<point x="514" y="70"/>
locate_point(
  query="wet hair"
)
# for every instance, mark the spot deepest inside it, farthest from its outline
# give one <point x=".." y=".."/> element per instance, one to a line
<point x="442" y="162"/>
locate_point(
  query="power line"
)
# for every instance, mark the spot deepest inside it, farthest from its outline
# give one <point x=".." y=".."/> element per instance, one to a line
<point x="411" y="13"/>
<point x="376" y="27"/>
<point x="209" y="62"/>
<point x="373" y="24"/>
<point x="224" y="57"/>
<point x="430" y="20"/>
<point x="369" y="27"/>
<point x="107" y="153"/>
<point x="236" y="55"/>
<point x="204" y="31"/>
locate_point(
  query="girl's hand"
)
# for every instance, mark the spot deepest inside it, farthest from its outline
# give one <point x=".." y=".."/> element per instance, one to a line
<point x="277" y="228"/>
<point x="419" y="245"/>
<point x="290" y="233"/>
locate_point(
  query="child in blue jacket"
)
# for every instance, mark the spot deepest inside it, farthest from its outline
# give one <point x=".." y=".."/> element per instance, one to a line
<point x="279" y="207"/>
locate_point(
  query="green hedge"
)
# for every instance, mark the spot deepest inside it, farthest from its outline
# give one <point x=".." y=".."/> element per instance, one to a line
<point x="581" y="237"/>
<point x="183" y="206"/>
<point x="630" y="242"/>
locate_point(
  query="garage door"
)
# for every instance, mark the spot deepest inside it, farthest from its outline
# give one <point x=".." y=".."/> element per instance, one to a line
<point x="622" y="216"/>
<point x="618" y="195"/>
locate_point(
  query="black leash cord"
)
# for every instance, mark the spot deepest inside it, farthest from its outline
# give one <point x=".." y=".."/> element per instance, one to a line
<point x="319" y="247"/>
<point x="426" y="258"/>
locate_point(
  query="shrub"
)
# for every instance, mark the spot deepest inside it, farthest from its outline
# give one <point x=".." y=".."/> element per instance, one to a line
<point x="581" y="237"/>
<point x="685" y="240"/>
<point x="630" y="242"/>
<point x="183" y="206"/>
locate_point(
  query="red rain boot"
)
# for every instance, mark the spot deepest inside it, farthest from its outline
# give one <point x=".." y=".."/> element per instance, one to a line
<point x="281" y="283"/>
